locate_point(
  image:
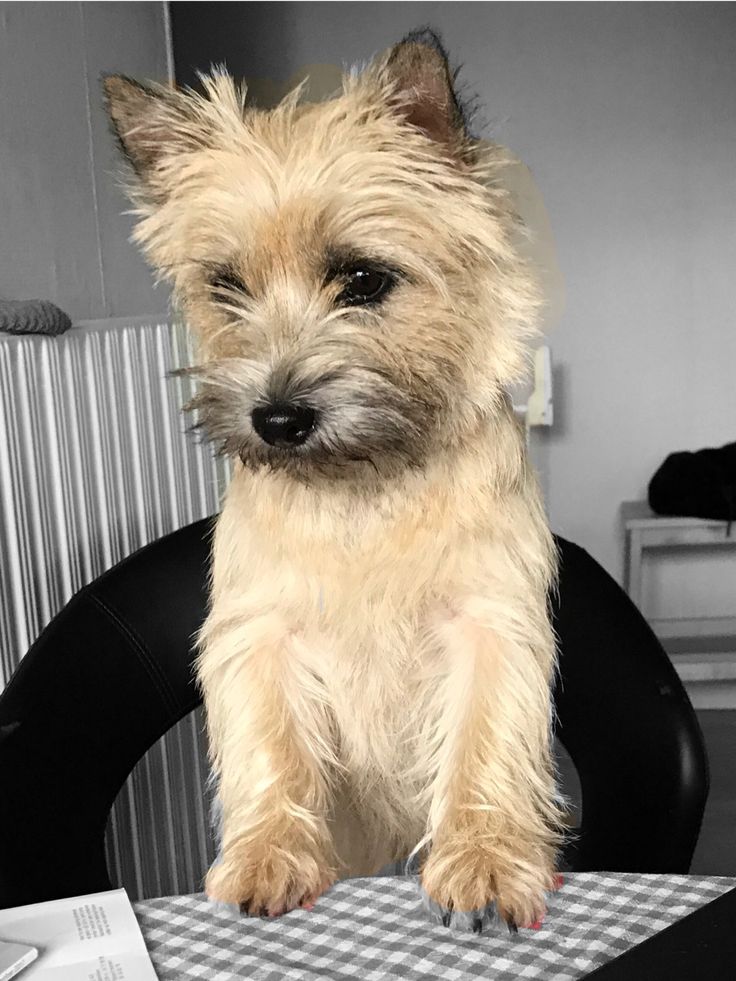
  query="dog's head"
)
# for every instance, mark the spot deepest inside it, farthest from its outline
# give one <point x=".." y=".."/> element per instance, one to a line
<point x="347" y="266"/>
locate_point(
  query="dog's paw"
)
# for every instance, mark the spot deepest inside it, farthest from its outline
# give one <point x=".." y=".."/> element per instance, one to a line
<point x="461" y="892"/>
<point x="485" y="920"/>
<point x="269" y="888"/>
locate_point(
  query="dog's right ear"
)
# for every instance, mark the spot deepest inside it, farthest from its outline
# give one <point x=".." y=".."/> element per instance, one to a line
<point x="144" y="119"/>
<point x="153" y="122"/>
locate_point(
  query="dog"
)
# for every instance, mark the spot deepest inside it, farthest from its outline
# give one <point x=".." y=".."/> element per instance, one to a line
<point x="377" y="659"/>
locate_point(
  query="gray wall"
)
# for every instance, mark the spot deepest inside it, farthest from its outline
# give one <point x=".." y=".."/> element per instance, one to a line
<point x="626" y="115"/>
<point x="63" y="235"/>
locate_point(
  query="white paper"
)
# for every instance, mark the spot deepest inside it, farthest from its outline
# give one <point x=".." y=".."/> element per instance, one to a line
<point x="86" y="938"/>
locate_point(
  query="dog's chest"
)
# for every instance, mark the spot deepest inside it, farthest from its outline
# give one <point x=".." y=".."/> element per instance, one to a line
<point x="363" y="593"/>
<point x="378" y="665"/>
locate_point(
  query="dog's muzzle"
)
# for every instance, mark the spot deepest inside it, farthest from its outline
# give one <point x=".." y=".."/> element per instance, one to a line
<point x="284" y="424"/>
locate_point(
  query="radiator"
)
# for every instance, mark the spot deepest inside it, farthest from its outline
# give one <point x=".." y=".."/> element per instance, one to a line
<point x="94" y="464"/>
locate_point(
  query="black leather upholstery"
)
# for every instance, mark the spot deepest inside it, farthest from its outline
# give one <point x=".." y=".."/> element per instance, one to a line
<point x="104" y="681"/>
<point x="112" y="673"/>
<point x="627" y="723"/>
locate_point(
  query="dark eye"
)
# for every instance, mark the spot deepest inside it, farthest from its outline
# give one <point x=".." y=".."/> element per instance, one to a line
<point x="364" y="284"/>
<point x="224" y="282"/>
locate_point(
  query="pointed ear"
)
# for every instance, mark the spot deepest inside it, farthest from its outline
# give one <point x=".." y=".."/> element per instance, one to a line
<point x="419" y="70"/>
<point x="149" y="121"/>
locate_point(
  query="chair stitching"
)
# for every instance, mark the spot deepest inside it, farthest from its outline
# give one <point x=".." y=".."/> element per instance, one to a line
<point x="159" y="680"/>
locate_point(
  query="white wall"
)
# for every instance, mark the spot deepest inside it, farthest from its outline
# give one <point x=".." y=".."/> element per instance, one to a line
<point x="63" y="237"/>
<point x="626" y="115"/>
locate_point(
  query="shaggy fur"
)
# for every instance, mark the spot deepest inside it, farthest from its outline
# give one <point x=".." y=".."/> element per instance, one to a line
<point x="377" y="659"/>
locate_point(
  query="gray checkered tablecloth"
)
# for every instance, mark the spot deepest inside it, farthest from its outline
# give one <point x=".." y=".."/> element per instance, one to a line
<point x="376" y="928"/>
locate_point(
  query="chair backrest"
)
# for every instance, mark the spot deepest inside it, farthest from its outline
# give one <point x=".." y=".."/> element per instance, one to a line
<point x="103" y="682"/>
<point x="113" y="672"/>
<point x="626" y="721"/>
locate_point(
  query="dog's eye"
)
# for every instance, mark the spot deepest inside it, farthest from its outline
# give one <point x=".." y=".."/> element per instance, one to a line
<point x="224" y="282"/>
<point x="364" y="284"/>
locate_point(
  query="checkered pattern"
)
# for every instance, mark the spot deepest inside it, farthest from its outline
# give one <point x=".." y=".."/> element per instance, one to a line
<point x="375" y="929"/>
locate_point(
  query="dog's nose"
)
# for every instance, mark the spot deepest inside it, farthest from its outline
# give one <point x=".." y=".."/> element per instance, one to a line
<point x="283" y="424"/>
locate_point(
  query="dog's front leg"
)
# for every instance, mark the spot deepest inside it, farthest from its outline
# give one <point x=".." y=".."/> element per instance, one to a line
<point x="494" y="818"/>
<point x="272" y="751"/>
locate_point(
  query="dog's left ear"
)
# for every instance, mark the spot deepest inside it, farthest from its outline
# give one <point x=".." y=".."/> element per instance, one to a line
<point x="418" y="69"/>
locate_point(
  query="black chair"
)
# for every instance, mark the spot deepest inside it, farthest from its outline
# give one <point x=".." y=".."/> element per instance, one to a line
<point x="112" y="673"/>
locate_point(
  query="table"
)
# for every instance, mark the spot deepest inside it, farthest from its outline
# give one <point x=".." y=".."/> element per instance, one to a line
<point x="374" y="929"/>
<point x="643" y="529"/>
<point x="702" y="649"/>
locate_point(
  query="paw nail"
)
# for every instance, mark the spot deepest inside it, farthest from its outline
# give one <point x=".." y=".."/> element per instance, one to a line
<point x="477" y="925"/>
<point x="446" y="917"/>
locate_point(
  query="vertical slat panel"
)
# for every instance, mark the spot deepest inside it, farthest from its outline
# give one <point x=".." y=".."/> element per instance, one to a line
<point x="95" y="463"/>
<point x="14" y="627"/>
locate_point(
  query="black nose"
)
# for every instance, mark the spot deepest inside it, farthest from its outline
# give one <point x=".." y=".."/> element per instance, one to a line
<point x="283" y="424"/>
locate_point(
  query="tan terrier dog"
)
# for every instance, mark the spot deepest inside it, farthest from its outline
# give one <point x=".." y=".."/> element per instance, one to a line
<point x="377" y="660"/>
